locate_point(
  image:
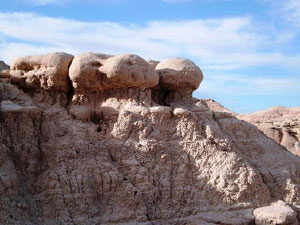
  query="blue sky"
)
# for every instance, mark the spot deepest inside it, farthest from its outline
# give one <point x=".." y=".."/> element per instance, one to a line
<point x="249" y="50"/>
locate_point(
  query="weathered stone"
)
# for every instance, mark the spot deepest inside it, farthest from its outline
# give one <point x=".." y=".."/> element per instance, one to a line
<point x="279" y="123"/>
<point x="132" y="154"/>
<point x="277" y="213"/>
<point x="179" y="74"/>
<point x="49" y="72"/>
<point x="96" y="72"/>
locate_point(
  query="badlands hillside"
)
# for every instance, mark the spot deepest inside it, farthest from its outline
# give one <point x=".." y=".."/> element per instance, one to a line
<point x="280" y="123"/>
<point x="102" y="139"/>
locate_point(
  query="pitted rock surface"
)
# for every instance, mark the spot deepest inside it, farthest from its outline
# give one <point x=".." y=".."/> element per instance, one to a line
<point x="123" y="156"/>
<point x="99" y="72"/>
<point x="277" y="213"/>
<point x="279" y="123"/>
<point x="49" y="72"/>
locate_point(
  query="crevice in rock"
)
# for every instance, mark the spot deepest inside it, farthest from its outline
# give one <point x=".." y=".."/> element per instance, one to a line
<point x="160" y="96"/>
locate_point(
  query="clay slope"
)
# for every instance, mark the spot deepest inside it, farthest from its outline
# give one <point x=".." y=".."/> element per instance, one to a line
<point x="279" y="123"/>
<point x="101" y="139"/>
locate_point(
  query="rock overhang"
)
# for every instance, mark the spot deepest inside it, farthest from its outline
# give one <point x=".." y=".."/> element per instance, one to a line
<point x="94" y="73"/>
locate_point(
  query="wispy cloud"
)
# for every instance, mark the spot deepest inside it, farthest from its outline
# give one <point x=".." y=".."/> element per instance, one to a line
<point x="238" y="85"/>
<point x="289" y="10"/>
<point x="226" y="43"/>
<point x="221" y="47"/>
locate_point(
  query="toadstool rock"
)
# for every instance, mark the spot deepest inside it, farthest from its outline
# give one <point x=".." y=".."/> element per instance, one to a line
<point x="49" y="72"/>
<point x="179" y="74"/>
<point x="92" y="72"/>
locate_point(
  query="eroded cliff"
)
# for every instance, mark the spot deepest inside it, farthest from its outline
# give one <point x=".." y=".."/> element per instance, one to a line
<point x="101" y="139"/>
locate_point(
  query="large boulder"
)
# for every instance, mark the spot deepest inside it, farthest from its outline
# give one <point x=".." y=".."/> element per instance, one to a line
<point x="179" y="74"/>
<point x="98" y="72"/>
<point x="49" y="72"/>
<point x="275" y="214"/>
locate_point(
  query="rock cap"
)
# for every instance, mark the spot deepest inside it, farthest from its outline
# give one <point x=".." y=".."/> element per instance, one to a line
<point x="48" y="71"/>
<point x="97" y="72"/>
<point x="179" y="74"/>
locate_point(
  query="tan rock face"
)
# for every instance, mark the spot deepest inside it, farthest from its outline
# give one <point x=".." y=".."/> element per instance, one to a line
<point x="49" y="72"/>
<point x="99" y="72"/>
<point x="277" y="213"/>
<point x="279" y="123"/>
<point x="216" y="107"/>
<point x="178" y="74"/>
<point x="121" y="156"/>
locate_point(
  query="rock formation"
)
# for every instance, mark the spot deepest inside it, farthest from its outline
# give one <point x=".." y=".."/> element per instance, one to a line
<point x="111" y="140"/>
<point x="279" y="123"/>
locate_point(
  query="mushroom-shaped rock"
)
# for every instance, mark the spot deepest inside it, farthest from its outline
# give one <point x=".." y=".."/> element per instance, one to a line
<point x="84" y="72"/>
<point x="277" y="213"/>
<point x="100" y="72"/>
<point x="48" y="72"/>
<point x="179" y="74"/>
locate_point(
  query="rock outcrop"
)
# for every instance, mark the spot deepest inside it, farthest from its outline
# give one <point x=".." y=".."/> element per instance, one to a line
<point x="122" y="143"/>
<point x="277" y="213"/>
<point x="179" y="74"/>
<point x="97" y="72"/>
<point x="279" y="123"/>
<point x="42" y="71"/>
<point x="217" y="107"/>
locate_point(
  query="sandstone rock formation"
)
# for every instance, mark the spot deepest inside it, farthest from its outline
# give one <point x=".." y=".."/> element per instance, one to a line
<point x="120" y="146"/>
<point x="42" y="71"/>
<point x="279" y="123"/>
<point x="283" y="214"/>
<point x="96" y="72"/>
<point x="217" y="107"/>
<point x="179" y="74"/>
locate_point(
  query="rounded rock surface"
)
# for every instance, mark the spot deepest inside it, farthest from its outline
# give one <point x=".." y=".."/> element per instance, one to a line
<point x="84" y="71"/>
<point x="277" y="213"/>
<point x="176" y="73"/>
<point x="129" y="71"/>
<point x="42" y="71"/>
<point x="97" y="72"/>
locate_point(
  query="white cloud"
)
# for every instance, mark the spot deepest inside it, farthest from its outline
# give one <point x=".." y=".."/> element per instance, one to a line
<point x="226" y="43"/>
<point x="289" y="10"/>
<point x="215" y="45"/>
<point x="238" y="85"/>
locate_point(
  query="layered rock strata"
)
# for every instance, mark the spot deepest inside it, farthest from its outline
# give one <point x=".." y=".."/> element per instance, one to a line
<point x="111" y="140"/>
<point x="279" y="123"/>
